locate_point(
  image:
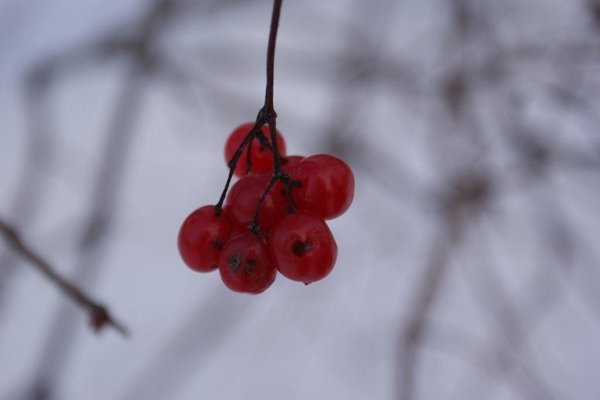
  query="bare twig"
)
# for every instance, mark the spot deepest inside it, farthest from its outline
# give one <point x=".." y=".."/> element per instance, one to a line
<point x="99" y="314"/>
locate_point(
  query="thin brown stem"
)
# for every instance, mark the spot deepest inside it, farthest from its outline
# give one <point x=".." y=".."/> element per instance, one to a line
<point x="269" y="108"/>
<point x="233" y="162"/>
<point x="99" y="315"/>
<point x="266" y="115"/>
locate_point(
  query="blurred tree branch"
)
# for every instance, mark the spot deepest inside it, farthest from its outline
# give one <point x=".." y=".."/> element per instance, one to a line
<point x="138" y="47"/>
<point x="98" y="314"/>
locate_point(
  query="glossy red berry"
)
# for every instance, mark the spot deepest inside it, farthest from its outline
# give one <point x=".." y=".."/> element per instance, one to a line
<point x="326" y="185"/>
<point x="261" y="156"/>
<point x="245" y="265"/>
<point x="302" y="247"/>
<point x="202" y="237"/>
<point x="243" y="198"/>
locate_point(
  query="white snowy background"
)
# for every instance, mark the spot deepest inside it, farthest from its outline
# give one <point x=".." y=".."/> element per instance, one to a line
<point x="413" y="94"/>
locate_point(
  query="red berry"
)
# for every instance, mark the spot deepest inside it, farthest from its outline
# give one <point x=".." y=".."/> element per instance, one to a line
<point x="291" y="163"/>
<point x="326" y="185"/>
<point x="243" y="198"/>
<point x="245" y="265"/>
<point x="261" y="156"/>
<point x="302" y="247"/>
<point x="201" y="238"/>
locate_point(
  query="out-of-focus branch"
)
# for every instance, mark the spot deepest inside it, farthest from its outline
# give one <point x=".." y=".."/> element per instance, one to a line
<point x="99" y="315"/>
<point x="511" y="326"/>
<point x="144" y="60"/>
<point x="461" y="201"/>
<point x="428" y="291"/>
<point x="28" y="194"/>
<point x="98" y="222"/>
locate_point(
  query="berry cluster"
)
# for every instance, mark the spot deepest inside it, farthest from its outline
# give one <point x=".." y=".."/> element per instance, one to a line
<point x="273" y="217"/>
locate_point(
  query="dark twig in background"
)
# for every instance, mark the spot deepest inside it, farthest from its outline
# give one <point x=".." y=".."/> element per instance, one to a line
<point x="28" y="196"/>
<point x="61" y="338"/>
<point x="139" y="49"/>
<point x="98" y="314"/>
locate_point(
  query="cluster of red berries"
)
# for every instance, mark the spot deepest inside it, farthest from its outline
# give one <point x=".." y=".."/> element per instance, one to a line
<point x="271" y="220"/>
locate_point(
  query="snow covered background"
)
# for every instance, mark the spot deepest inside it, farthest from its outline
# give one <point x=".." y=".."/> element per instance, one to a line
<point x="415" y="95"/>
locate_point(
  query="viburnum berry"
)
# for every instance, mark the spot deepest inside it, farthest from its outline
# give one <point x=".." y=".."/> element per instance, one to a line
<point x="326" y="185"/>
<point x="244" y="196"/>
<point x="299" y="244"/>
<point x="261" y="156"/>
<point x="202" y="237"/>
<point x="302" y="247"/>
<point x="245" y="265"/>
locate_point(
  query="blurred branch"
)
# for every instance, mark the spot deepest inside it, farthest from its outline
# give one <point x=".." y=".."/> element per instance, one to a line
<point x="511" y="327"/>
<point x="426" y="294"/>
<point x="29" y="193"/>
<point x="98" y="222"/>
<point x="99" y="315"/>
<point x="140" y="50"/>
<point x="465" y="193"/>
<point x="569" y="245"/>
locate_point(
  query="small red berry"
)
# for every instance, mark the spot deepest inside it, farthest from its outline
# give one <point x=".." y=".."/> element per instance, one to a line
<point x="243" y="198"/>
<point x="202" y="237"/>
<point x="261" y="156"/>
<point x="326" y="185"/>
<point x="245" y="265"/>
<point x="302" y="247"/>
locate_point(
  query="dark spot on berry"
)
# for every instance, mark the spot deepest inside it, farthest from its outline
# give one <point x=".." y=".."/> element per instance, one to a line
<point x="217" y="244"/>
<point x="300" y="248"/>
<point x="234" y="262"/>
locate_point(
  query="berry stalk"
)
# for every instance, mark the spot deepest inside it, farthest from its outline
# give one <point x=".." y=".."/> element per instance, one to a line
<point x="266" y="115"/>
<point x="269" y="108"/>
